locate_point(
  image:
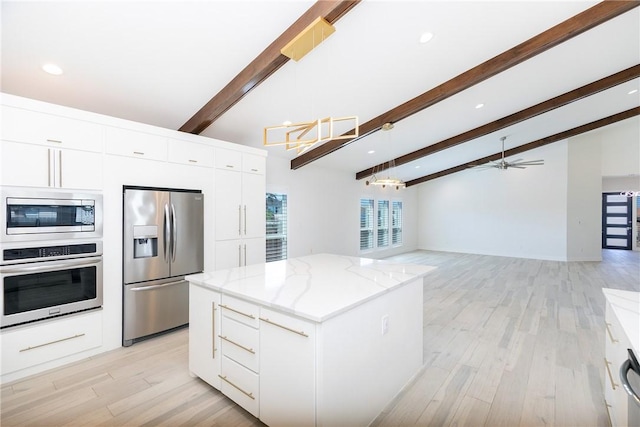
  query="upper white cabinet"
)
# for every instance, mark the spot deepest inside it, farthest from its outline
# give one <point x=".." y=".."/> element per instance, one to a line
<point x="46" y="129"/>
<point x="124" y="142"/>
<point x="190" y="153"/>
<point x="240" y="208"/>
<point x="43" y="150"/>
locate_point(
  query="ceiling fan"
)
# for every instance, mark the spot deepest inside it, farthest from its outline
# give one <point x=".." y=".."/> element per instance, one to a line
<point x="504" y="165"/>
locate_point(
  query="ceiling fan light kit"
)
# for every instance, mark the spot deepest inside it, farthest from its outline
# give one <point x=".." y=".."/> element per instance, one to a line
<point x="504" y="165"/>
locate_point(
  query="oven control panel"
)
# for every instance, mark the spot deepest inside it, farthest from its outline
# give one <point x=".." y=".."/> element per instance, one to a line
<point x="48" y="251"/>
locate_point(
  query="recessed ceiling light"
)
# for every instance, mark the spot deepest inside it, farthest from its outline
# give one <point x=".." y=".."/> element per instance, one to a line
<point x="371" y="151"/>
<point x="418" y="167"/>
<point x="52" y="69"/>
<point x="479" y="106"/>
<point x="286" y="123"/>
<point x="631" y="92"/>
<point x="426" y="37"/>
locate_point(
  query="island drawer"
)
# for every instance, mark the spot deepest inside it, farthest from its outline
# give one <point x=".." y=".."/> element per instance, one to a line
<point x="241" y="311"/>
<point x="240" y="343"/>
<point x="241" y="385"/>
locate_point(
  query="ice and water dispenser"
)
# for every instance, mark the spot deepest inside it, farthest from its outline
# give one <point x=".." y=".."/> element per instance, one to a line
<point x="145" y="241"/>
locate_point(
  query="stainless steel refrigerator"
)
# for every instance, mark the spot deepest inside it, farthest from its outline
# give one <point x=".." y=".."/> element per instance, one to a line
<point x="162" y="242"/>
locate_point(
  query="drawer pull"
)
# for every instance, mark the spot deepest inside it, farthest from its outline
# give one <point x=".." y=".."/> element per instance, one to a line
<point x="254" y="170"/>
<point x="606" y="364"/>
<point x="250" y="316"/>
<point x="213" y="330"/>
<point x="613" y="340"/>
<point x="52" y="342"/>
<point x="284" y="327"/>
<point x="57" y="141"/>
<point x="229" y="166"/>
<point x="250" y="350"/>
<point x="139" y="153"/>
<point x="193" y="161"/>
<point x="224" y="377"/>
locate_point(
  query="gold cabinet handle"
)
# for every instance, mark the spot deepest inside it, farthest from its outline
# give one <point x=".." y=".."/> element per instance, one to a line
<point x="250" y="350"/>
<point x="224" y="377"/>
<point x="250" y="316"/>
<point x="229" y="166"/>
<point x="606" y="364"/>
<point x="55" y="141"/>
<point x="213" y="330"/>
<point x="139" y="153"/>
<point x="284" y="327"/>
<point x="52" y="342"/>
<point x="613" y="340"/>
<point x="193" y="161"/>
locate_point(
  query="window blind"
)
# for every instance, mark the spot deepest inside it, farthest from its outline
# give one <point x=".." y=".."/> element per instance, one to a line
<point x="396" y="223"/>
<point x="383" y="223"/>
<point x="276" y="233"/>
<point x="366" y="224"/>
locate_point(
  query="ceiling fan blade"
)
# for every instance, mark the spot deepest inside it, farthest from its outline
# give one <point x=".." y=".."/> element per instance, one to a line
<point x="515" y="166"/>
<point x="532" y="163"/>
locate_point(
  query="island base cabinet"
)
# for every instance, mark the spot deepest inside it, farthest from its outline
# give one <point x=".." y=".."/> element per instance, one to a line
<point x="240" y="385"/>
<point x="204" y="328"/>
<point x="287" y="370"/>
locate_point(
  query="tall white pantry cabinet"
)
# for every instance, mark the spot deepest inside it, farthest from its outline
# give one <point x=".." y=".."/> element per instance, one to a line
<point x="46" y="145"/>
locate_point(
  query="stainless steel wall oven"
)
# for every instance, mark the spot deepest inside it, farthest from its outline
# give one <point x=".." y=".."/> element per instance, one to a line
<point x="47" y="281"/>
<point x="50" y="253"/>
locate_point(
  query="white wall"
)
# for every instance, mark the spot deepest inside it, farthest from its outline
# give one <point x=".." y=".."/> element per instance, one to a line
<point x="584" y="198"/>
<point x="324" y="209"/>
<point x="621" y="148"/>
<point x="517" y="212"/>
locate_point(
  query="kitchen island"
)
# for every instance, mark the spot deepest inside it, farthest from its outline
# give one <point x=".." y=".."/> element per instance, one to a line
<point x="320" y="340"/>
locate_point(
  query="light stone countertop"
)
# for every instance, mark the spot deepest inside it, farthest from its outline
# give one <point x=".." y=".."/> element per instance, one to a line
<point x="314" y="287"/>
<point x="626" y="306"/>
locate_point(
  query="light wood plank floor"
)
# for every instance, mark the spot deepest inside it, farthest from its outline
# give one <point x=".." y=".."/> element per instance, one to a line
<point x="507" y="342"/>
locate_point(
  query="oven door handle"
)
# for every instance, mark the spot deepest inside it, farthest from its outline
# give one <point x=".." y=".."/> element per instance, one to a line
<point x="624" y="371"/>
<point x="49" y="267"/>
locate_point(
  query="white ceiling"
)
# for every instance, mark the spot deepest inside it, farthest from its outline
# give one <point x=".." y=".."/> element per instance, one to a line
<point x="159" y="62"/>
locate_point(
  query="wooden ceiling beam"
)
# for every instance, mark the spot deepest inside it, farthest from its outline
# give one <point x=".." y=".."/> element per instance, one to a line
<point x="531" y="145"/>
<point x="560" y="33"/>
<point x="263" y="65"/>
<point x="543" y="107"/>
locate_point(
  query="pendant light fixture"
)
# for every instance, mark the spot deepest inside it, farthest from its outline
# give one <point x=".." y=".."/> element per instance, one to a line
<point x="389" y="180"/>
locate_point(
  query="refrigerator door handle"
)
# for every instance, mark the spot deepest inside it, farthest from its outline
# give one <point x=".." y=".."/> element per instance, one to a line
<point x="167" y="232"/>
<point x="174" y="233"/>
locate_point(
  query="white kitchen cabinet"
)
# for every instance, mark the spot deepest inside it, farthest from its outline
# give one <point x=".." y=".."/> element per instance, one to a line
<point x="33" y="127"/>
<point x="33" y="344"/>
<point x="240" y="209"/>
<point x="287" y="370"/>
<point x="204" y="328"/>
<point x="125" y="142"/>
<point x="239" y="252"/>
<point x="33" y="165"/>
<point x="191" y="153"/>
<point x="616" y="345"/>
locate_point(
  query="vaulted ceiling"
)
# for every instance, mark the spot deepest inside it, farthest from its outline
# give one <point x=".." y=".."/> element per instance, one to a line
<point x="543" y="70"/>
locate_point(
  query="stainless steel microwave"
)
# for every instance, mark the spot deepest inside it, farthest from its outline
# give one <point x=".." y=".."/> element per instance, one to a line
<point x="33" y="214"/>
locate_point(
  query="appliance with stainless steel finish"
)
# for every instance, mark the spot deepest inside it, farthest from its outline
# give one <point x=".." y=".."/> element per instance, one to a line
<point x="162" y="242"/>
<point x="630" y="377"/>
<point x="37" y="214"/>
<point x="39" y="282"/>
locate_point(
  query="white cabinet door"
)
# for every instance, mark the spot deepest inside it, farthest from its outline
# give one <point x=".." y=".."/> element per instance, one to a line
<point x="40" y="166"/>
<point x="254" y="251"/>
<point x="204" y="328"/>
<point x="80" y="169"/>
<point x="228" y="254"/>
<point x="287" y="370"/>
<point x="24" y="164"/>
<point x="253" y="202"/>
<point x="124" y="142"/>
<point x="228" y="199"/>
<point x="190" y="153"/>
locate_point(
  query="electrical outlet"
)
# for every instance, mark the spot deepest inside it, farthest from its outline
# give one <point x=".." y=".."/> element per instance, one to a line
<point x="385" y="324"/>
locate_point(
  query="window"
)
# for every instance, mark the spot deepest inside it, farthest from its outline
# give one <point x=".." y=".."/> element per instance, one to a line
<point x="396" y="223"/>
<point x="366" y="224"/>
<point x="276" y="233"/>
<point x="383" y="223"/>
<point x="388" y="224"/>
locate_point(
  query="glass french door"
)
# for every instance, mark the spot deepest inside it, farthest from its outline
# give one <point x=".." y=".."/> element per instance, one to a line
<point x="616" y="221"/>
